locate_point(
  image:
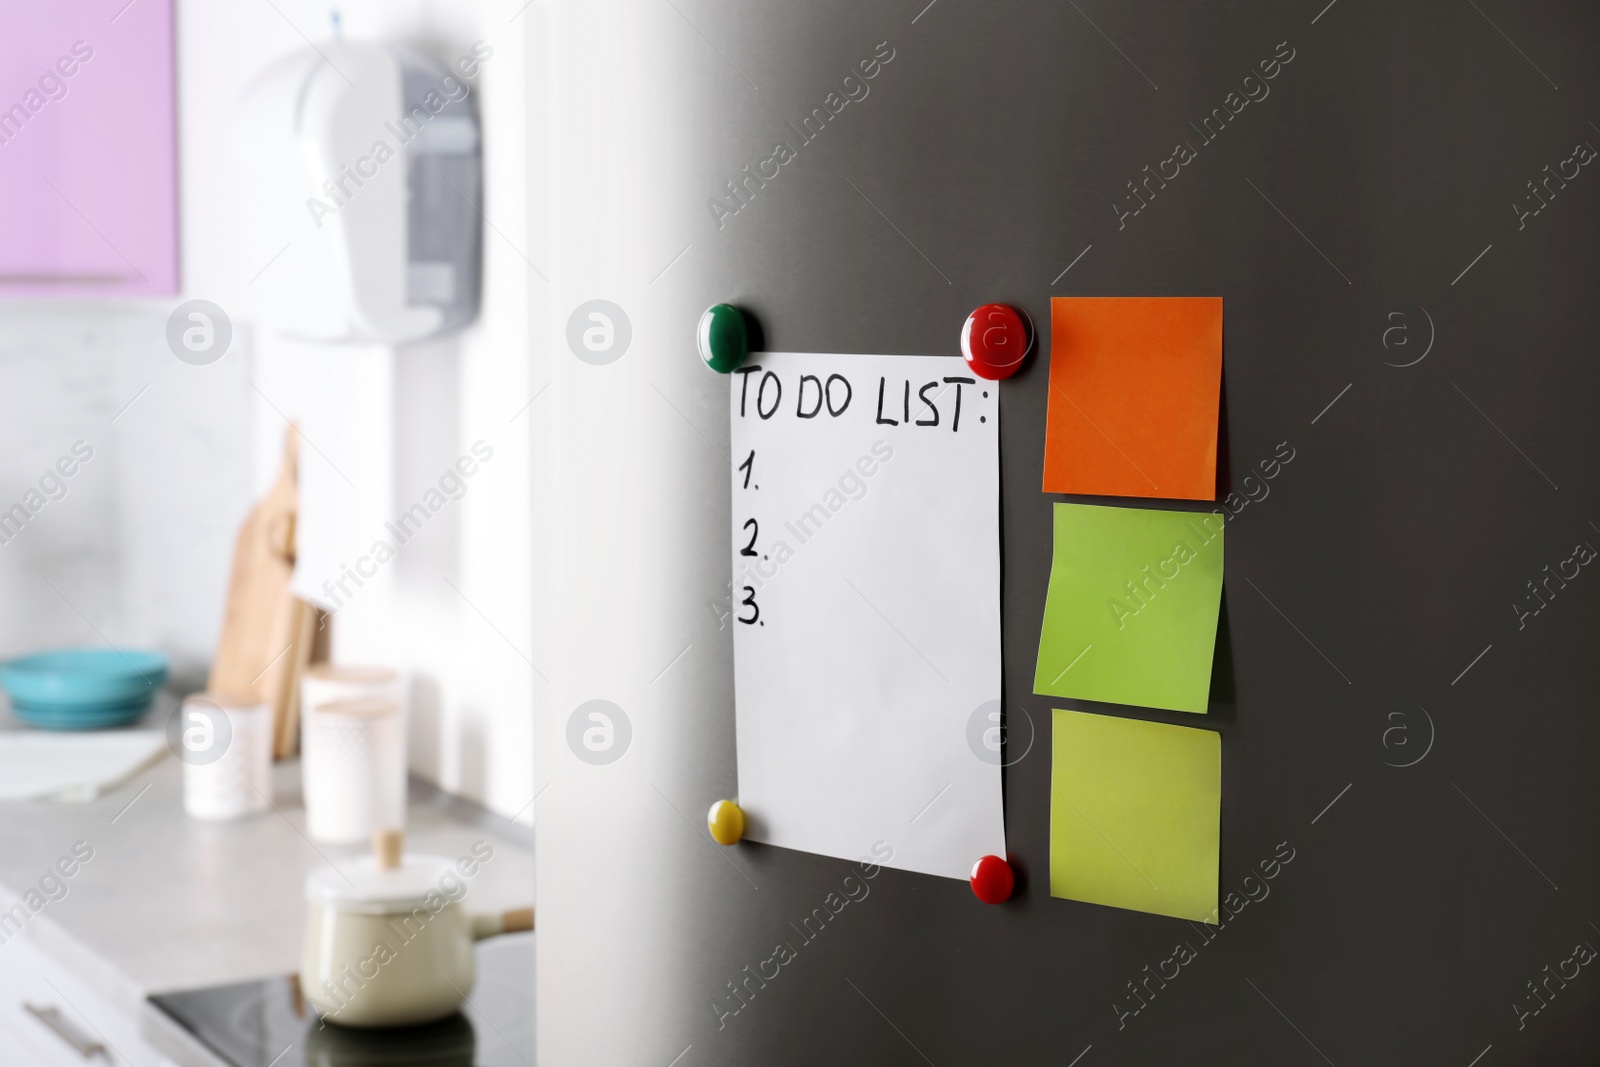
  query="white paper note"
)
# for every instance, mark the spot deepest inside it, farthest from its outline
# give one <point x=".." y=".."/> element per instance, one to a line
<point x="866" y="607"/>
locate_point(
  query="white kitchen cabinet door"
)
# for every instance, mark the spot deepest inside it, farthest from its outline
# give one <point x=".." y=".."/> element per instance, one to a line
<point x="82" y="1017"/>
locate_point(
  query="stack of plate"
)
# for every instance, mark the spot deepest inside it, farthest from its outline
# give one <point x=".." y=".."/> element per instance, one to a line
<point x="83" y="688"/>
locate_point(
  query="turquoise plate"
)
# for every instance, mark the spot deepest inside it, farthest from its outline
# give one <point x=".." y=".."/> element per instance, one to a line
<point x="84" y="677"/>
<point x="84" y="718"/>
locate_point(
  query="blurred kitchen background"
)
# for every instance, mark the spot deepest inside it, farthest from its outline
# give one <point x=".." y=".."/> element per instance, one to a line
<point x="159" y="153"/>
<point x="138" y="551"/>
<point x="573" y="566"/>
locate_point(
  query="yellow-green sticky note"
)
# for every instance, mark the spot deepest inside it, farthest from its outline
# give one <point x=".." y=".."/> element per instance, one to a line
<point x="1131" y="615"/>
<point x="1135" y="813"/>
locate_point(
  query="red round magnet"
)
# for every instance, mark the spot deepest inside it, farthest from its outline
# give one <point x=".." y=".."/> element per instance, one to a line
<point x="995" y="339"/>
<point x="992" y="880"/>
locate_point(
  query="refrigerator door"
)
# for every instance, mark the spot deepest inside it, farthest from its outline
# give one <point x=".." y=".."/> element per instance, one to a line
<point x="1395" y="205"/>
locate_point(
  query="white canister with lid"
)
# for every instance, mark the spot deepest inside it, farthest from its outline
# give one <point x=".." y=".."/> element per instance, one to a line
<point x="353" y="768"/>
<point x="387" y="941"/>
<point x="227" y="756"/>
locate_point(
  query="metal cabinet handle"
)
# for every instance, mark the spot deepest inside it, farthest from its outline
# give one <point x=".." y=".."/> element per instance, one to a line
<point x="64" y="1028"/>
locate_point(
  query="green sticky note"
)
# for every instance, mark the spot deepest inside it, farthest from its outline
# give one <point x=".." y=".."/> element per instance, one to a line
<point x="1131" y="616"/>
<point x="1135" y="809"/>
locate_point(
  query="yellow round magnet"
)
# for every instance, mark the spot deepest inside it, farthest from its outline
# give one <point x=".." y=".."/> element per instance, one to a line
<point x="726" y="822"/>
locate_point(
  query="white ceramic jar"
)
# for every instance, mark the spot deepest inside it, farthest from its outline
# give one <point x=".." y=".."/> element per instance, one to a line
<point x="227" y="757"/>
<point x="353" y="768"/>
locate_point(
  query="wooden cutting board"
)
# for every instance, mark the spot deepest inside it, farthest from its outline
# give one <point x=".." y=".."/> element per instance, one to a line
<point x="269" y="635"/>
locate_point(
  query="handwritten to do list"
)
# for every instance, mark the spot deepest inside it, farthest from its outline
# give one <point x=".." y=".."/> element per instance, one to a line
<point x="866" y="588"/>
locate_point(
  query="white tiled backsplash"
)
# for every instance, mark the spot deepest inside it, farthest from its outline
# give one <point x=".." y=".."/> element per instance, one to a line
<point x="134" y="546"/>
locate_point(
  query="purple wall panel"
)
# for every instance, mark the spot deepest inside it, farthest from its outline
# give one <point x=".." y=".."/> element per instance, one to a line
<point x="88" y="161"/>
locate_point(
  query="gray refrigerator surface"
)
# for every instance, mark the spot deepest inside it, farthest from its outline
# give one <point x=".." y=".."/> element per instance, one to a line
<point x="1397" y="204"/>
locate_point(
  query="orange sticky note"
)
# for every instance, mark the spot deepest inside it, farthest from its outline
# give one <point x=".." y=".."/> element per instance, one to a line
<point x="1135" y="383"/>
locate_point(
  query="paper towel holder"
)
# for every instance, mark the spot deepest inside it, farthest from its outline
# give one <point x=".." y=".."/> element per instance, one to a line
<point x="362" y="172"/>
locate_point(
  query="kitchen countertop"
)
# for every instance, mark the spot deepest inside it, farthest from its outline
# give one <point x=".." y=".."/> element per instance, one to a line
<point x="168" y="902"/>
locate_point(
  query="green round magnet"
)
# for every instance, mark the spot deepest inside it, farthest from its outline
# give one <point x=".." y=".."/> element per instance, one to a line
<point x="723" y="338"/>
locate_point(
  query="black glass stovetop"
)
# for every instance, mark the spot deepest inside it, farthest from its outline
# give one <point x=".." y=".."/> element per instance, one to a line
<point x="268" y="1024"/>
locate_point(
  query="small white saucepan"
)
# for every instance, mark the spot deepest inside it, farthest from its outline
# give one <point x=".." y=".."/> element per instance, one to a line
<point x="387" y="941"/>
